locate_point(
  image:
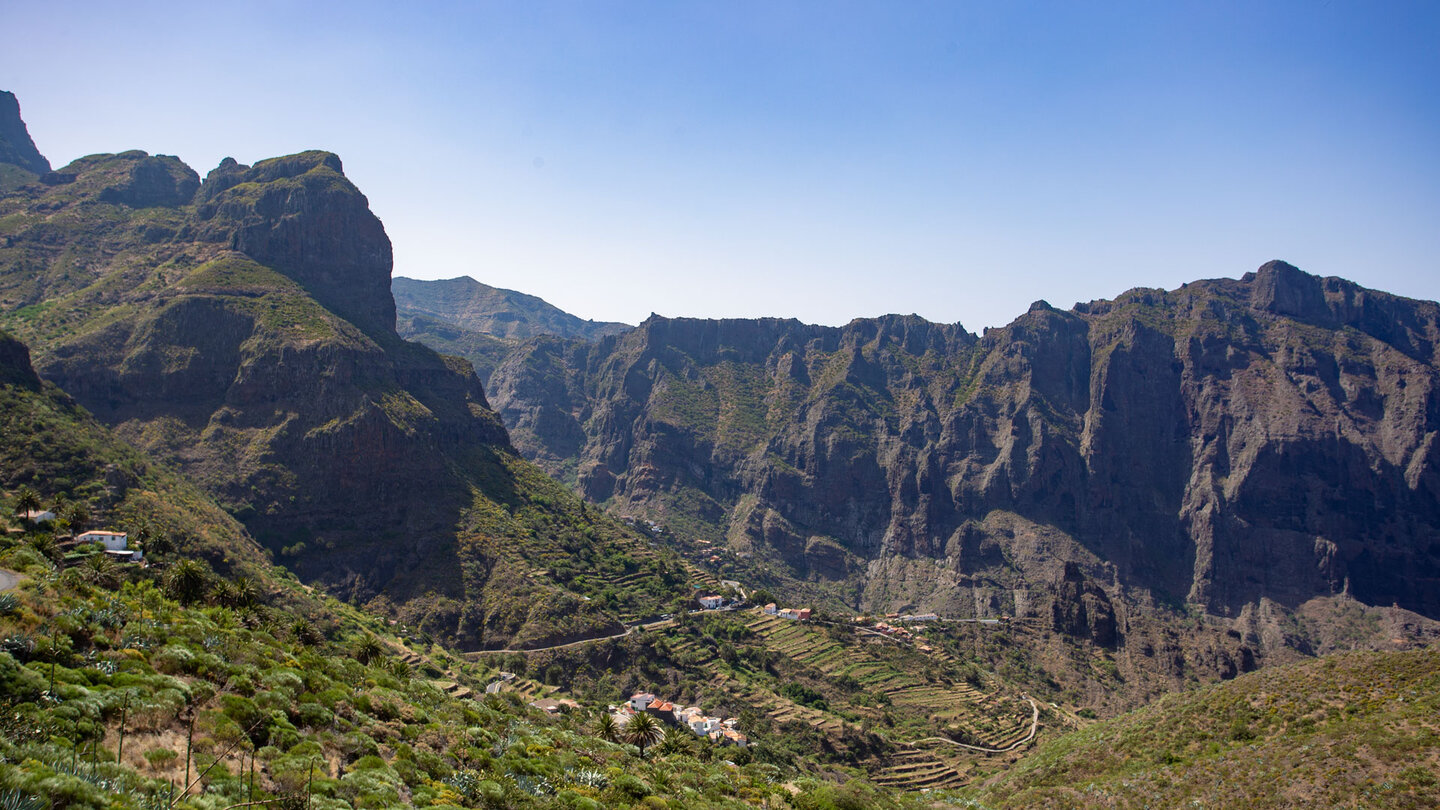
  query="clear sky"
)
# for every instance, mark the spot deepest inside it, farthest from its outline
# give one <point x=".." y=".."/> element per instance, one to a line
<point x="822" y="160"/>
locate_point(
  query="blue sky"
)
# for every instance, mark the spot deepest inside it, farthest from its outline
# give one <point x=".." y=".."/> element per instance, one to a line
<point x="821" y="160"/>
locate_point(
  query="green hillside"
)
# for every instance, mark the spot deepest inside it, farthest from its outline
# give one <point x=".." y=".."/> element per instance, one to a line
<point x="1357" y="729"/>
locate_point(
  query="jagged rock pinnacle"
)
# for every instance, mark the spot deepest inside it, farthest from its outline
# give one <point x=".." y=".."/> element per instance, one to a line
<point x="16" y="147"/>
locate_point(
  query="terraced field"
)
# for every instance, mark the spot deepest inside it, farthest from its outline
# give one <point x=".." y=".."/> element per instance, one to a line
<point x="921" y="769"/>
<point x="988" y="720"/>
<point x="638" y="556"/>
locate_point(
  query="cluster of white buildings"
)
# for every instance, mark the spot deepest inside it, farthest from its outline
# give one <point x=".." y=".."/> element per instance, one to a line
<point x="793" y="614"/>
<point x="720" y="730"/>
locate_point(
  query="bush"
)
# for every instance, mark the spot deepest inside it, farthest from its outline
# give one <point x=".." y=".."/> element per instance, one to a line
<point x="160" y="757"/>
<point x="313" y="715"/>
<point x="173" y="660"/>
<point x="632" y="786"/>
<point x="17" y="681"/>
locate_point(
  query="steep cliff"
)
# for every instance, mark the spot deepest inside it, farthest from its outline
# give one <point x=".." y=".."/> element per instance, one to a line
<point x="1229" y="444"/>
<point x="16" y="147"/>
<point x="242" y="329"/>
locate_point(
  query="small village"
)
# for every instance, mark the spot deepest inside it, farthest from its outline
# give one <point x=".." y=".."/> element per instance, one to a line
<point x="717" y="729"/>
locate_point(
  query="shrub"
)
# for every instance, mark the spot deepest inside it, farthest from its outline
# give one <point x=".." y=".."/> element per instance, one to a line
<point x="313" y="715"/>
<point x="17" y="681"/>
<point x="160" y="757"/>
<point x="632" y="786"/>
<point x="173" y="660"/>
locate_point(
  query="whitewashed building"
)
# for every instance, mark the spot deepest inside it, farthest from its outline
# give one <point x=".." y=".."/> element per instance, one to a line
<point x="112" y="541"/>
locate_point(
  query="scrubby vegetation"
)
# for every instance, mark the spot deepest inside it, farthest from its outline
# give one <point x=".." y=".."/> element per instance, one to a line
<point x="126" y="693"/>
<point x="1351" y="729"/>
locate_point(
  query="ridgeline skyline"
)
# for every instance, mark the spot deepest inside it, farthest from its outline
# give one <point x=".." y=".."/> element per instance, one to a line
<point x="817" y="161"/>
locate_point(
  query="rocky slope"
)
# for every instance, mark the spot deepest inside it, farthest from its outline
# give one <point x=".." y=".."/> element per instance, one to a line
<point x="1234" y="446"/>
<point x="242" y="329"/>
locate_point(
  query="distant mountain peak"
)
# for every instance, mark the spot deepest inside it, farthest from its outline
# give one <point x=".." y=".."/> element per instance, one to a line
<point x="16" y="147"/>
<point x="506" y="314"/>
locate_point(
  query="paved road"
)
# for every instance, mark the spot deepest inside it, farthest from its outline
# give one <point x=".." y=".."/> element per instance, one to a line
<point x="8" y="579"/>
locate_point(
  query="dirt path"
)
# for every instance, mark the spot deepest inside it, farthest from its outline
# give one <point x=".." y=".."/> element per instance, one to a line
<point x="8" y="579"/>
<point x="567" y="645"/>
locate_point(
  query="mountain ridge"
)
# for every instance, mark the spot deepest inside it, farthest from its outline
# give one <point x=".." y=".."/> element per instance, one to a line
<point x="1117" y="435"/>
<point x="506" y="314"/>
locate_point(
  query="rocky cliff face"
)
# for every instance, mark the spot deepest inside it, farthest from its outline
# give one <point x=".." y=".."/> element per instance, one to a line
<point x="242" y="329"/>
<point x="193" y="319"/>
<point x="1233" y="442"/>
<point x="301" y="216"/>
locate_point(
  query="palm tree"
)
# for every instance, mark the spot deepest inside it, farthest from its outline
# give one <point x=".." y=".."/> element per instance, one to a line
<point x="153" y="542"/>
<point x="303" y="631"/>
<point x="607" y="729"/>
<point x="77" y="513"/>
<point x="187" y="581"/>
<point x="368" y="650"/>
<point x="676" y="741"/>
<point x="643" y="730"/>
<point x="45" y="546"/>
<point x="101" y="571"/>
<point x="26" y="501"/>
<point x="242" y="593"/>
<point x="222" y="592"/>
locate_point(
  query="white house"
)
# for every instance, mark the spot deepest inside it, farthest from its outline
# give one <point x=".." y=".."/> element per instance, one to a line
<point x="771" y="609"/>
<point x="112" y="541"/>
<point x="711" y="602"/>
<point x="39" y="516"/>
<point x="640" y="700"/>
<point x="703" y="725"/>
